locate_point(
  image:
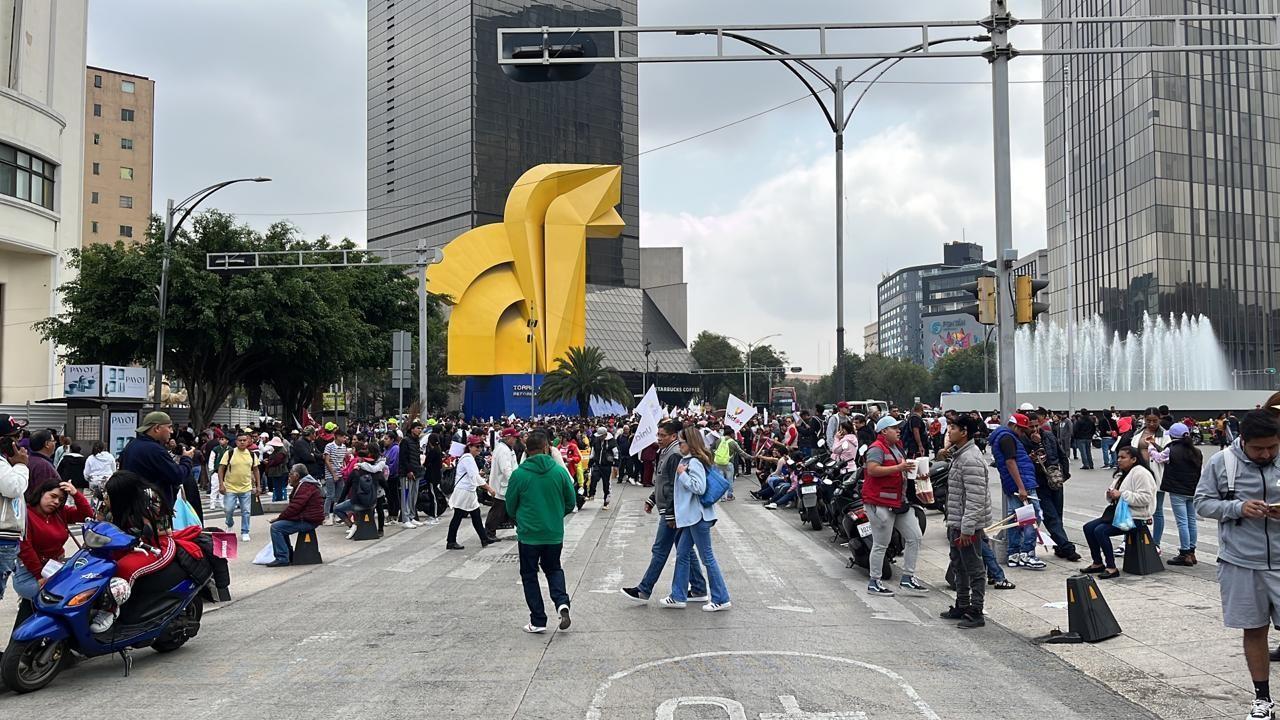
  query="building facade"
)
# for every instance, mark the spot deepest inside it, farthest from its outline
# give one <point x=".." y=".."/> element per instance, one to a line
<point x="907" y="297"/>
<point x="871" y="339"/>
<point x="1173" y="180"/>
<point x="119" y="141"/>
<point x="42" y="89"/>
<point x="449" y="134"/>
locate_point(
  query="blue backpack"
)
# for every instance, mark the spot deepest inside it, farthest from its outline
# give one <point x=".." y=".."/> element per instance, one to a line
<point x="717" y="486"/>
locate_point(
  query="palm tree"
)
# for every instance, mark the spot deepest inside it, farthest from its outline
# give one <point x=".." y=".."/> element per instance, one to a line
<point x="581" y="374"/>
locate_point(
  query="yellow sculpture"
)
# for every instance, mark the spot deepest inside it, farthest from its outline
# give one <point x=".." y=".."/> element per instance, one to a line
<point x="531" y="265"/>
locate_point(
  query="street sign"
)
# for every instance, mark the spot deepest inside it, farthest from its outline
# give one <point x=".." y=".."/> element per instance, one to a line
<point x="401" y="360"/>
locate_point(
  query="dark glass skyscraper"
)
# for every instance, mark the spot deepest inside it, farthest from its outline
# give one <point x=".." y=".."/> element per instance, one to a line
<point x="1174" y="176"/>
<point x="449" y="134"/>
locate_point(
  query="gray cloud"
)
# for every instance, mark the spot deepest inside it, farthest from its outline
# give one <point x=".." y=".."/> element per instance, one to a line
<point x="246" y="87"/>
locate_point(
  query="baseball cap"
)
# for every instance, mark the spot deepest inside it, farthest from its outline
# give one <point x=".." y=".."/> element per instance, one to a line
<point x="887" y="422"/>
<point x="1178" y="430"/>
<point x="393" y="421"/>
<point x="510" y="432"/>
<point x="153" y="419"/>
<point x="1020" y="420"/>
<point x="1026" y="406"/>
<point x="10" y="425"/>
<point x="842" y="405"/>
<point x="475" y="440"/>
<point x="331" y="426"/>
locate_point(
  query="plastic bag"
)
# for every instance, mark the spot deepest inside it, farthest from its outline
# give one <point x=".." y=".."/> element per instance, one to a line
<point x="265" y="555"/>
<point x="184" y="516"/>
<point x="1123" y="518"/>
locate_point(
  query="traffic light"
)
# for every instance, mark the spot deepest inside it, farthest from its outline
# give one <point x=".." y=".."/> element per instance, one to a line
<point x="1025" y="307"/>
<point x="558" y="46"/>
<point x="983" y="290"/>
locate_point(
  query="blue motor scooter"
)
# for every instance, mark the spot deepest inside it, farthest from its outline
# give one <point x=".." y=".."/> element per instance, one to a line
<point x="163" y="612"/>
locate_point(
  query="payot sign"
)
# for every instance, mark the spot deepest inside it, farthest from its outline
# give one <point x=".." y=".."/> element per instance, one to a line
<point x="124" y="382"/>
<point x="123" y="428"/>
<point x="82" y="380"/>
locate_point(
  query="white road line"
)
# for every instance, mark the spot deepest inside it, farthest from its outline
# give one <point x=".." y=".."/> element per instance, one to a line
<point x="383" y="546"/>
<point x="479" y="564"/>
<point x="575" y="527"/>
<point x="789" y="608"/>
<point x="768" y="584"/>
<point x="420" y="559"/>
<point x="890" y="608"/>
<point x="620" y="532"/>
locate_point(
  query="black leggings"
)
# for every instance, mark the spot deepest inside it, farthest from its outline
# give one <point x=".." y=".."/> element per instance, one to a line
<point x="458" y="514"/>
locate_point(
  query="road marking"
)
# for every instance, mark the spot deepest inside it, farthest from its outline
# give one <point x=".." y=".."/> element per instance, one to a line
<point x="620" y="532"/>
<point x="602" y="692"/>
<point x="385" y="545"/>
<point x="667" y="710"/>
<point x="419" y="559"/>
<point x="575" y="527"/>
<point x="767" y="583"/>
<point x="791" y="711"/>
<point x="882" y="608"/>
<point x="790" y="608"/>
<point x="479" y="564"/>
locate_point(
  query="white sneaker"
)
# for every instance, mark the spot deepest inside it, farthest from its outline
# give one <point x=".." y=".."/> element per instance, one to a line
<point x="351" y="531"/>
<point x="393" y="522"/>
<point x="1262" y="710"/>
<point x="432" y="522"/>
<point x="244" y="537"/>
<point x="771" y="506"/>
<point x="667" y="602"/>
<point x="1016" y="560"/>
<point x="533" y="629"/>
<point x="412" y="524"/>
<point x="328" y="521"/>
<point x="717" y="607"/>
<point x="699" y="598"/>
<point x="1031" y="562"/>
<point x="102" y="621"/>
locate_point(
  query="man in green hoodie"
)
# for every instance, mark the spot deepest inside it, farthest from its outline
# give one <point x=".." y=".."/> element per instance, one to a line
<point x="539" y="496"/>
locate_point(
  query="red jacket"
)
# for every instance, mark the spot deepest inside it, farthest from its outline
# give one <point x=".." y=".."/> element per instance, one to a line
<point x="306" y="505"/>
<point x="47" y="535"/>
<point x="889" y="490"/>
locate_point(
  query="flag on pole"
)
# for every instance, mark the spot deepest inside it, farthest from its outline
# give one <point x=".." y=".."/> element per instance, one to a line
<point x="649" y="405"/>
<point x="737" y="412"/>
<point x="650" y="411"/>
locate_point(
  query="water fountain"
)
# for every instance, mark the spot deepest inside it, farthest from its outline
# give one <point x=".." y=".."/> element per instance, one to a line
<point x="1169" y="354"/>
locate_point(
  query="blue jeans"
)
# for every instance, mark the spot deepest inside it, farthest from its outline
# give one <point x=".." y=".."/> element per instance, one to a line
<point x="1184" y="512"/>
<point x="782" y="498"/>
<point x="662" y="544"/>
<point x="229" y="503"/>
<point x="1098" y="533"/>
<point x="24" y="583"/>
<point x="698" y="535"/>
<point x="1022" y="540"/>
<point x="548" y="558"/>
<point x="1108" y="456"/>
<point x="8" y="561"/>
<point x="279" y="486"/>
<point x="280" y="532"/>
<point x="994" y="571"/>
<point x="1157" y="519"/>
<point x="1085" y="449"/>
<point x="330" y="494"/>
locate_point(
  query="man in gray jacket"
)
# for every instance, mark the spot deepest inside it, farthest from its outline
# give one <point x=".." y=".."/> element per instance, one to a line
<point x="1233" y="491"/>
<point x="968" y="512"/>
<point x="663" y="498"/>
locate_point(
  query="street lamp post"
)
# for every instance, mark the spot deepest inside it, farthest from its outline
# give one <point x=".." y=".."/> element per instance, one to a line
<point x="170" y="228"/>
<point x="838" y="120"/>
<point x="746" y="362"/>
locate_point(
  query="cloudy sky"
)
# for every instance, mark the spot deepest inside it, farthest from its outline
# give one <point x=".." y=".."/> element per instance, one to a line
<point x="246" y="87"/>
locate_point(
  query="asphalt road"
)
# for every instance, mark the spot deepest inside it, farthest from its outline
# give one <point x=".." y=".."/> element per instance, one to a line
<point x="405" y="629"/>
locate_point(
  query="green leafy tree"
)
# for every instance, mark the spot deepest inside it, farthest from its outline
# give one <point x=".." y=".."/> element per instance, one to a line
<point x="824" y="391"/>
<point x="897" y="380"/>
<point x="294" y="329"/>
<point x="580" y="375"/>
<point x="713" y="350"/>
<point x="964" y="368"/>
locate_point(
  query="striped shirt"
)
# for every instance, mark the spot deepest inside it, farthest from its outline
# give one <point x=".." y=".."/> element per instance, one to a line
<point x="336" y="455"/>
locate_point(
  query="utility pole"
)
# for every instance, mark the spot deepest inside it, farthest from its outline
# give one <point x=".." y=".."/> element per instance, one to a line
<point x="839" y="128"/>
<point x="998" y="55"/>
<point x="421" y="266"/>
<point x="164" y="300"/>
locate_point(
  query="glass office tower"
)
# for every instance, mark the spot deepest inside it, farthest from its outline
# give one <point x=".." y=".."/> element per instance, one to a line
<point x="449" y="134"/>
<point x="1174" y="176"/>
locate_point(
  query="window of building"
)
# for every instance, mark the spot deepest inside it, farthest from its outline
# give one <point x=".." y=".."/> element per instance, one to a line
<point x="97" y="139"/>
<point x="97" y="169"/>
<point x="97" y="110"/>
<point x="125" y="173"/>
<point x="126" y="201"/>
<point x="126" y="114"/>
<point x="26" y="177"/>
<point x="97" y="81"/>
<point x="126" y="86"/>
<point x="126" y="143"/>
<point x="93" y="198"/>
<point x="93" y="227"/>
<point x="126" y="231"/>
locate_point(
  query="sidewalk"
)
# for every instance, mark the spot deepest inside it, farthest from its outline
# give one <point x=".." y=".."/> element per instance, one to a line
<point x="1174" y="655"/>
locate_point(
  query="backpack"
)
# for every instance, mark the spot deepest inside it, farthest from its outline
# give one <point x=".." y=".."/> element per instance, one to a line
<point x="717" y="486"/>
<point x="447" y="478"/>
<point x="724" y="453"/>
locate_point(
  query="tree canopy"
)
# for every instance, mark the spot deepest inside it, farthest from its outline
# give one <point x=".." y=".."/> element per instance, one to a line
<point x="295" y="329"/>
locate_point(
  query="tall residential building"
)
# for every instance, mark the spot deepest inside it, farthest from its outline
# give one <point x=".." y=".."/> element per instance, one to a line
<point x="449" y="134"/>
<point x="906" y="298"/>
<point x="42" y="60"/>
<point x="119" y="133"/>
<point x="1174" y="178"/>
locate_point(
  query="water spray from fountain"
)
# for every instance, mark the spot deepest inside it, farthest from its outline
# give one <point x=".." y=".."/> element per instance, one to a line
<point x="1173" y="353"/>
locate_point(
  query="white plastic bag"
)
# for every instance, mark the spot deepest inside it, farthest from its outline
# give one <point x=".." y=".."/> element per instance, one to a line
<point x="265" y="555"/>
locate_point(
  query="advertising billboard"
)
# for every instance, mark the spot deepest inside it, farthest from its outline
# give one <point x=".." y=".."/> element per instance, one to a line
<point x="124" y="425"/>
<point x="82" y="380"/>
<point x="124" y="382"/>
<point x="945" y="334"/>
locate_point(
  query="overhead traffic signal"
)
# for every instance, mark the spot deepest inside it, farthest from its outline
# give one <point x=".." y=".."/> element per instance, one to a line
<point x="1025" y="307"/>
<point x="555" y="45"/>
<point x="983" y="290"/>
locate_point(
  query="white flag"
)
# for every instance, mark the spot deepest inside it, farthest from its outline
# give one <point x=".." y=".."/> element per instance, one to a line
<point x="737" y="413"/>
<point x="646" y="435"/>
<point x="649" y="406"/>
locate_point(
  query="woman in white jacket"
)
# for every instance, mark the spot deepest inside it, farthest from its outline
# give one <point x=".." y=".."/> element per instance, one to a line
<point x="99" y="466"/>
<point x="1137" y="486"/>
<point x="463" y="500"/>
<point x="1153" y="442"/>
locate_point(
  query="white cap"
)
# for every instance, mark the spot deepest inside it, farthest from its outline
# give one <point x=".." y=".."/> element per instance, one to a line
<point x="1026" y="406"/>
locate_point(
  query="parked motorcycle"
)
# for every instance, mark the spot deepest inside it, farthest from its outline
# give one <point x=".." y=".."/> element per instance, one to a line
<point x="163" y="613"/>
<point x="856" y="526"/>
<point x="811" y="476"/>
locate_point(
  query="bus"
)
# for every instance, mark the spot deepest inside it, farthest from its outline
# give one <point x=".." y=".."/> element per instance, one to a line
<point x="782" y="401"/>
